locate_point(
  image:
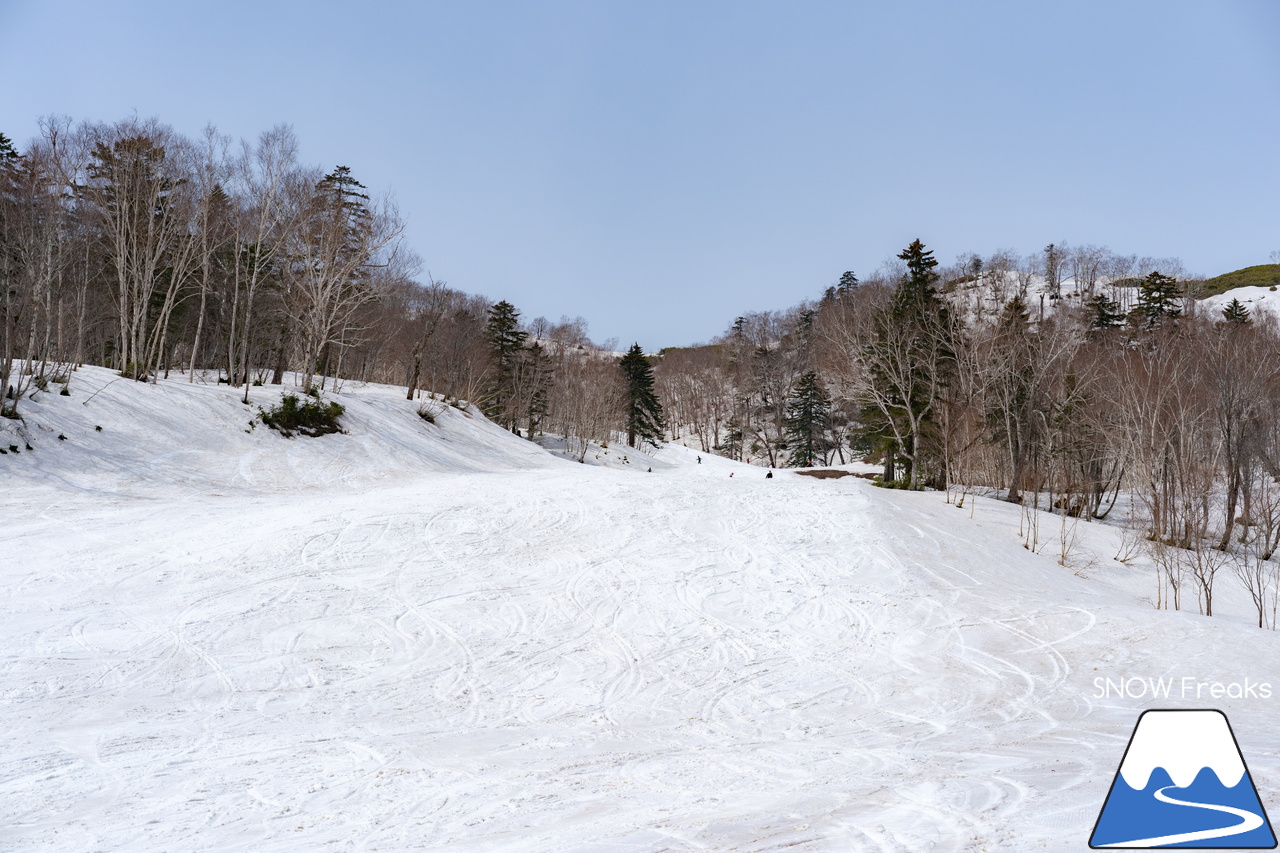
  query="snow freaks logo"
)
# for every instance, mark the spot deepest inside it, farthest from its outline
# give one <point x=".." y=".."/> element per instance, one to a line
<point x="1183" y="783"/>
<point x="1186" y="687"/>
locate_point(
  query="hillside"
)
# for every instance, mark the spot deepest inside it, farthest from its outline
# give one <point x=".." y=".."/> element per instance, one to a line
<point x="417" y="636"/>
<point x="175" y="437"/>
<point x="1253" y="298"/>
<point x="1261" y="276"/>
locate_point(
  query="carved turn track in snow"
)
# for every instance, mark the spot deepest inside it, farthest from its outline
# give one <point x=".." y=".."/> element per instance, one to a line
<point x="560" y="659"/>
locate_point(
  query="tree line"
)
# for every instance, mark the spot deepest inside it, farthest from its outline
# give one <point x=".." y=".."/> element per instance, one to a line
<point x="131" y="246"/>
<point x="1073" y="381"/>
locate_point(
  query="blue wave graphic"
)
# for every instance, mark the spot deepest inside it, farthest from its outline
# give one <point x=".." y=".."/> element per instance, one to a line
<point x="1130" y="814"/>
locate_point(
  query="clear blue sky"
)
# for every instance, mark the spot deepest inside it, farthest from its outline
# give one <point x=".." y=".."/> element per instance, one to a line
<point x="659" y="167"/>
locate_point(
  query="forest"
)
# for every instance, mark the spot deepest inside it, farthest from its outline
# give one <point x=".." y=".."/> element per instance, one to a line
<point x="1073" y="380"/>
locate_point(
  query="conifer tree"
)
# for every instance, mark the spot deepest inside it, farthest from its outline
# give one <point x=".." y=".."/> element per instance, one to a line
<point x="1053" y="270"/>
<point x="808" y="411"/>
<point x="732" y="444"/>
<point x="1104" y="312"/>
<point x="506" y="346"/>
<point x="329" y="269"/>
<point x="1158" y="296"/>
<point x="537" y="378"/>
<point x="342" y="190"/>
<point x="644" y="412"/>
<point x="848" y="281"/>
<point x="910" y="361"/>
<point x="1236" y="313"/>
<point x="1011" y="401"/>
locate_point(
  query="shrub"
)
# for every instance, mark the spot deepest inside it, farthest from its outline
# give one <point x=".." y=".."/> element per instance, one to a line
<point x="432" y="408"/>
<point x="136" y="371"/>
<point x="312" y="418"/>
<point x="890" y="484"/>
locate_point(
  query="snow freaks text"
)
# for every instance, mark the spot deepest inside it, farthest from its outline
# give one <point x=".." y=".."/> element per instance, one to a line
<point x="1185" y="687"/>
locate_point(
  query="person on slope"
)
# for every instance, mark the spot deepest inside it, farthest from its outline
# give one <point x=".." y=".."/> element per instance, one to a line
<point x="769" y="476"/>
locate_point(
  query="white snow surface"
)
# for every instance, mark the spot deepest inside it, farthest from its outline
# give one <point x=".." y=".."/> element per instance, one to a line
<point x="1183" y="743"/>
<point x="418" y="637"/>
<point x="1256" y="299"/>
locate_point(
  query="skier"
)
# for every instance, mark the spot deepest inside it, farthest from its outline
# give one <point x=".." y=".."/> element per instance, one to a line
<point x="730" y="473"/>
<point x="769" y="476"/>
<point x="650" y="471"/>
<point x="699" y="460"/>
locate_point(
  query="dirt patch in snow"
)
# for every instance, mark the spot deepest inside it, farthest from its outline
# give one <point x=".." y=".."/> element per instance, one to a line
<point x="833" y="474"/>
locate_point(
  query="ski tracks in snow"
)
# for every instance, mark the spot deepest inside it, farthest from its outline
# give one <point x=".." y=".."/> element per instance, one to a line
<point x="552" y="660"/>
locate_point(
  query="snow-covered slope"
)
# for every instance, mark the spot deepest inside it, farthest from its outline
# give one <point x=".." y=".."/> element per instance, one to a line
<point x="454" y="641"/>
<point x="1253" y="298"/>
<point x="178" y="437"/>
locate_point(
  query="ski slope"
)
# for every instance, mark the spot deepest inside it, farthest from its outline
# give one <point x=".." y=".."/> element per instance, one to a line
<point x="455" y="640"/>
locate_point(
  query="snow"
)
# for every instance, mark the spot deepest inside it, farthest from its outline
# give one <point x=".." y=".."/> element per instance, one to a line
<point x="1183" y="743"/>
<point x="1253" y="298"/>
<point x="417" y="637"/>
<point x="178" y="438"/>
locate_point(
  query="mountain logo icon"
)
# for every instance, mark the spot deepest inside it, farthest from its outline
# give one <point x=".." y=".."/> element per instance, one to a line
<point x="1183" y="783"/>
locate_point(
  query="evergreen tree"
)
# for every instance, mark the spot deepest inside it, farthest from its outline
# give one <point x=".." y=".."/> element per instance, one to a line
<point x="537" y="379"/>
<point x="1104" y="312"/>
<point x="732" y="444"/>
<point x="7" y="151"/>
<point x="808" y="412"/>
<point x="644" y="412"/>
<point x="506" y="346"/>
<point x="345" y="192"/>
<point x="342" y="201"/>
<point x="910" y="361"/>
<point x="800" y="339"/>
<point x="1053" y="271"/>
<point x="1012" y="405"/>
<point x="919" y="284"/>
<point x="1015" y="315"/>
<point x="332" y="255"/>
<point x="129" y="191"/>
<point x="1236" y="313"/>
<point x="848" y="281"/>
<point x="1158" y="296"/>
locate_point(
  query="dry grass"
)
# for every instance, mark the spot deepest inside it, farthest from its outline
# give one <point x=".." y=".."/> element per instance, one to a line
<point x="832" y="474"/>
